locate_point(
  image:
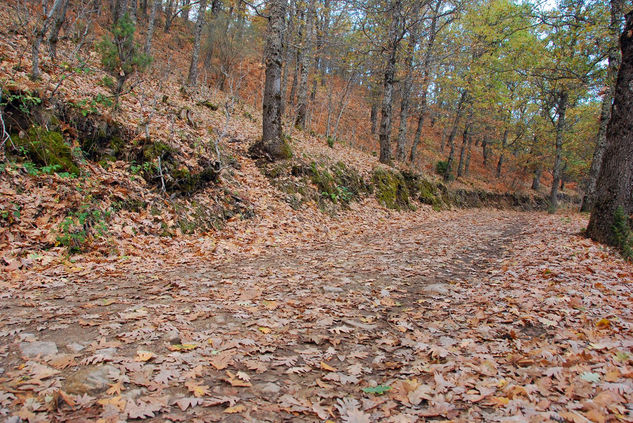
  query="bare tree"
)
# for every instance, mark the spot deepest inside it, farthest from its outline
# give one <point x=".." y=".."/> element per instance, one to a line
<point x="561" y="110"/>
<point x="150" y="27"/>
<point x="195" y="56"/>
<point x="40" y="33"/>
<point x="394" y="35"/>
<point x="406" y="92"/>
<point x="53" y="38"/>
<point x="306" y="56"/>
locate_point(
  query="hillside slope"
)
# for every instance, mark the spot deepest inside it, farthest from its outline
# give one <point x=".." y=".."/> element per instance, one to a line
<point x="146" y="180"/>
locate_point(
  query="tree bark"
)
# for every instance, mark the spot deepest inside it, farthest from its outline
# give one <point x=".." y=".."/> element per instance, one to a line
<point x="306" y="55"/>
<point x="426" y="74"/>
<point x="53" y="38"/>
<point x="504" y="144"/>
<point x="272" y="143"/>
<point x="298" y="58"/>
<point x="485" y="151"/>
<point x="40" y="33"/>
<point x="287" y="52"/>
<point x="169" y="10"/>
<point x="615" y="181"/>
<point x="373" y="117"/>
<point x="451" y="137"/>
<point x="536" y="180"/>
<point x="406" y="93"/>
<point x="607" y="102"/>
<point x="462" y="151"/>
<point x="390" y="71"/>
<point x="417" y="136"/>
<point x="150" y="27"/>
<point x="558" y="157"/>
<point x="468" y="152"/>
<point x="195" y="55"/>
<point x="343" y="102"/>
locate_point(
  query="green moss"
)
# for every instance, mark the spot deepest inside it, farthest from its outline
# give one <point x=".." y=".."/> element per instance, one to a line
<point x="391" y="189"/>
<point x="323" y="179"/>
<point x="116" y="144"/>
<point x="187" y="182"/>
<point x="285" y="151"/>
<point x="46" y="148"/>
<point x="622" y="234"/>
<point x="208" y="104"/>
<point x="157" y="149"/>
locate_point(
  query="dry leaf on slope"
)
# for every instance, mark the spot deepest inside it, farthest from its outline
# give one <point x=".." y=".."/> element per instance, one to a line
<point x="197" y="390"/>
<point x="141" y="410"/>
<point x="222" y="360"/>
<point x="236" y="409"/>
<point x="235" y="381"/>
<point x="184" y="403"/>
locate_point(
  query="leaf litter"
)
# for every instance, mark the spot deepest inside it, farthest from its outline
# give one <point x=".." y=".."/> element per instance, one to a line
<point x="492" y="315"/>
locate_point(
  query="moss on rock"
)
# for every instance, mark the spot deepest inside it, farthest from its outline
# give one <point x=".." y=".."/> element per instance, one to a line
<point x="391" y="189"/>
<point x="47" y="148"/>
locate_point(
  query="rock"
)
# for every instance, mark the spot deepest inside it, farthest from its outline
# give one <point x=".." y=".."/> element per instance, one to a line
<point x="436" y="288"/>
<point x="268" y="388"/>
<point x="91" y="380"/>
<point x="333" y="289"/>
<point x="26" y="337"/>
<point x="41" y="348"/>
<point x="75" y="347"/>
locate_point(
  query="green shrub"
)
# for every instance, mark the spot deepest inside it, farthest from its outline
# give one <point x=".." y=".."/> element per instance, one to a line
<point x="121" y="56"/>
<point x="78" y="227"/>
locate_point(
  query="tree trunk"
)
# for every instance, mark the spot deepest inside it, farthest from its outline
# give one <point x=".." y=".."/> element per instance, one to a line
<point x="560" y="128"/>
<point x="195" y="56"/>
<point x="53" y="38"/>
<point x="390" y="71"/>
<point x="451" y="138"/>
<point x="615" y="182"/>
<point x="144" y="8"/>
<point x="40" y="32"/>
<point x="416" y="137"/>
<point x="343" y="102"/>
<point x="485" y="151"/>
<point x="428" y="54"/>
<point x="186" y="10"/>
<point x="406" y="93"/>
<point x="169" y="10"/>
<point x="536" y="180"/>
<point x="306" y="55"/>
<point x="373" y="117"/>
<point x="272" y="143"/>
<point x="150" y="27"/>
<point x="132" y="10"/>
<point x="504" y="144"/>
<point x="607" y="101"/>
<point x="298" y="58"/>
<point x="287" y="52"/>
<point x="468" y="152"/>
<point x="462" y="151"/>
<point x="215" y="7"/>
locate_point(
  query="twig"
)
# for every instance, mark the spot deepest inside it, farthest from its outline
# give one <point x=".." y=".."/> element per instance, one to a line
<point x="4" y="137"/>
<point x="160" y="172"/>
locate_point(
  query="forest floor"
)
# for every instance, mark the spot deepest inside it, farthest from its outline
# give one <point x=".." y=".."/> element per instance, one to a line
<point x="477" y="315"/>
